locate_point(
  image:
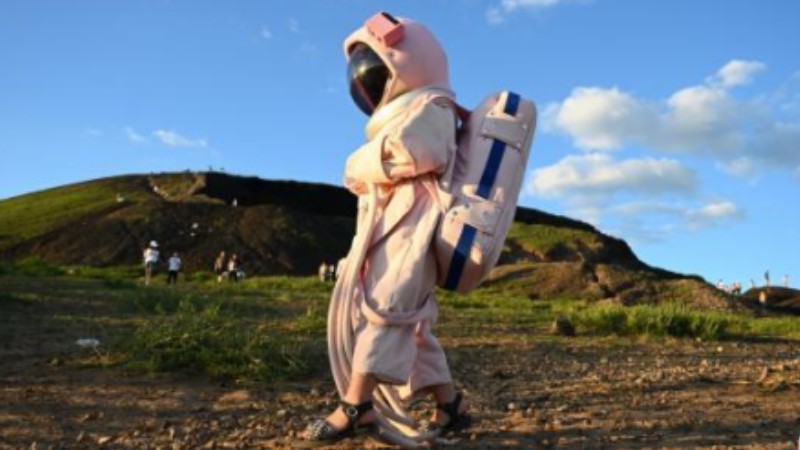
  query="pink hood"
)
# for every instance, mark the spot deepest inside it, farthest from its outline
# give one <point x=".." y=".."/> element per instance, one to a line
<point x="415" y="62"/>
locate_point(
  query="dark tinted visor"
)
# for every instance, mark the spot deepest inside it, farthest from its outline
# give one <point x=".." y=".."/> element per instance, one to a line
<point x="367" y="76"/>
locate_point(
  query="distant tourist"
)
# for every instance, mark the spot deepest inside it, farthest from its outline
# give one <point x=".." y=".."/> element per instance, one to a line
<point x="736" y="290"/>
<point x="150" y="261"/>
<point x="331" y="275"/>
<point x="234" y="271"/>
<point x="220" y="267"/>
<point x="786" y="281"/>
<point x="323" y="272"/>
<point x="173" y="267"/>
<point x="752" y="283"/>
<point x="762" y="298"/>
<point x="766" y="278"/>
<point x="235" y="203"/>
<point x="720" y="285"/>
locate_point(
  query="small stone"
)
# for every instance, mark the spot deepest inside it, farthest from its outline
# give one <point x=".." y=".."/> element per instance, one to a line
<point x="282" y="413"/>
<point x="102" y="440"/>
<point x="562" y="327"/>
<point x="81" y="437"/>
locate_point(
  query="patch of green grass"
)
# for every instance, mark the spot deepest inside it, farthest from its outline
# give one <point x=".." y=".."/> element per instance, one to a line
<point x="783" y="326"/>
<point x="33" y="214"/>
<point x="32" y="266"/>
<point x="117" y="273"/>
<point x="264" y="329"/>
<point x="205" y="338"/>
<point x="672" y="319"/>
<point x="543" y="238"/>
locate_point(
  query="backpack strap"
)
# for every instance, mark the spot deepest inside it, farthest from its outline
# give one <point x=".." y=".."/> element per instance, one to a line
<point x="440" y="187"/>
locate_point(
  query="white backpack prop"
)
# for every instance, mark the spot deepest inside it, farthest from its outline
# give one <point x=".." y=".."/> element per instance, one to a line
<point x="479" y="192"/>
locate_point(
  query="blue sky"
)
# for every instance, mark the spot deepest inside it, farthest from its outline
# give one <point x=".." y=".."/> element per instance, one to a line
<point x="673" y="124"/>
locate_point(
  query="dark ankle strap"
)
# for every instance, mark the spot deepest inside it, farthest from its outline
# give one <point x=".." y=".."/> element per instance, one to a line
<point x="354" y="412"/>
<point x="451" y="408"/>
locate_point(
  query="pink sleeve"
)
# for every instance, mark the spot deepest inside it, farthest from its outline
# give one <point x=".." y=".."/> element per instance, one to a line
<point x="422" y="143"/>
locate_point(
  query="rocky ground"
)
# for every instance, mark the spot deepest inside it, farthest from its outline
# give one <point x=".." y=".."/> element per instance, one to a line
<point x="523" y="393"/>
<point x="526" y="389"/>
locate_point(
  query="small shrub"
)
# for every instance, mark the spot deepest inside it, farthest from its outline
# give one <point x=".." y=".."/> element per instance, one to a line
<point x="676" y="320"/>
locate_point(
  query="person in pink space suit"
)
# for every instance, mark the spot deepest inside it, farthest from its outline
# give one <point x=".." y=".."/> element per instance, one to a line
<point x="381" y="347"/>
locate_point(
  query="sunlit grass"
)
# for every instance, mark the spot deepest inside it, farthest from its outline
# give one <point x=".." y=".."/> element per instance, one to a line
<point x="269" y="328"/>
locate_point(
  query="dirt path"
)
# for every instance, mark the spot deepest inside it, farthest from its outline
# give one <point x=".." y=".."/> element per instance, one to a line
<point x="525" y="391"/>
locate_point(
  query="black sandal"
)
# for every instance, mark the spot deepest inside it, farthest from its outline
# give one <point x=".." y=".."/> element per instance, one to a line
<point x="323" y="433"/>
<point x="456" y="421"/>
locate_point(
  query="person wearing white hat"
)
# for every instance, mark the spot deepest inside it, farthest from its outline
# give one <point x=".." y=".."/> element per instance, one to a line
<point x="150" y="260"/>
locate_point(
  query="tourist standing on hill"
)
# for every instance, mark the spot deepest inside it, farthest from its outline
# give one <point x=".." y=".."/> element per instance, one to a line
<point x="331" y="275"/>
<point x="786" y="281"/>
<point x="380" y="341"/>
<point x="173" y="267"/>
<point x="323" y="272"/>
<point x="766" y="278"/>
<point x="220" y="267"/>
<point x="233" y="268"/>
<point x="150" y="261"/>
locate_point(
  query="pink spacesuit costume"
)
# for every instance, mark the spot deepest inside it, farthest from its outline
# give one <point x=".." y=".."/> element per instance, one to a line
<point x="383" y="305"/>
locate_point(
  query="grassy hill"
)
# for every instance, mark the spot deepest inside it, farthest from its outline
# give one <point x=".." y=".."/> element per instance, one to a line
<point x="288" y="228"/>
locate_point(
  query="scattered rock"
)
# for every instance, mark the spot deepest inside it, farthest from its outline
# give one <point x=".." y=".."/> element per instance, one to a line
<point x="562" y="327"/>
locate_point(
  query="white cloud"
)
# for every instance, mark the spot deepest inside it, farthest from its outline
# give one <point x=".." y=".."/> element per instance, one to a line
<point x="265" y="33"/>
<point x="599" y="119"/>
<point x="743" y="137"/>
<point x="713" y="214"/>
<point x="736" y="73"/>
<point x="134" y="137"/>
<point x="652" y="222"/>
<point x="173" y="139"/>
<point x="595" y="179"/>
<point x="742" y="167"/>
